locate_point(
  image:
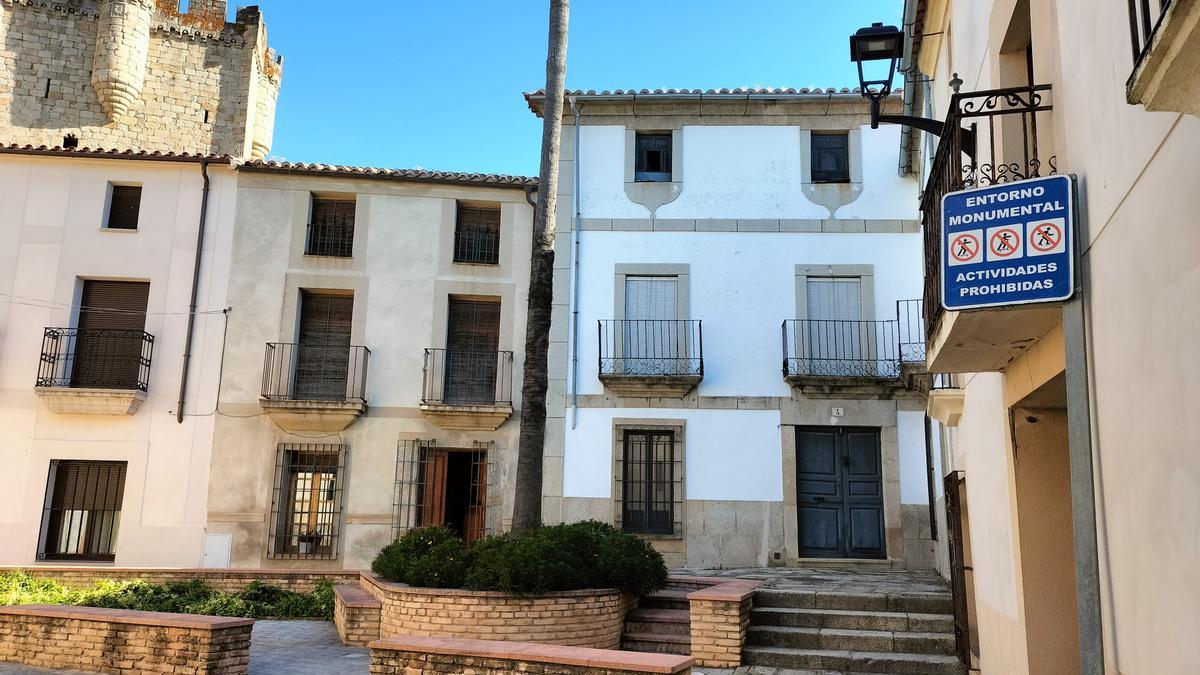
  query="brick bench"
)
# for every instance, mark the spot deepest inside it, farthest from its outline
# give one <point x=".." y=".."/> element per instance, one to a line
<point x="94" y="639"/>
<point x="356" y="615"/>
<point x="416" y="655"/>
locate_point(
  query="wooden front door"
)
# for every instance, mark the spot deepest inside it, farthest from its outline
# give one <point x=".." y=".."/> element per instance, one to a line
<point x="454" y="491"/>
<point x="839" y="484"/>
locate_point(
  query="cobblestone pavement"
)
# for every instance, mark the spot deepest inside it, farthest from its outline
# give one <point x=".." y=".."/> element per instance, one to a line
<point x="303" y="648"/>
<point x="885" y="582"/>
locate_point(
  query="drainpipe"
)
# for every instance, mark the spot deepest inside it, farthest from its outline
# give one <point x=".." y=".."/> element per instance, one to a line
<point x="907" y="65"/>
<point x="575" y="277"/>
<point x="191" y="319"/>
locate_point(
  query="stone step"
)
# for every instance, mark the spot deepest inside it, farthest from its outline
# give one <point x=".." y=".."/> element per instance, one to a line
<point x="659" y="621"/>
<point x="852" y="619"/>
<point x="851" y="640"/>
<point x="656" y="643"/>
<point x="852" y="661"/>
<point x="665" y="599"/>
<point x="925" y="603"/>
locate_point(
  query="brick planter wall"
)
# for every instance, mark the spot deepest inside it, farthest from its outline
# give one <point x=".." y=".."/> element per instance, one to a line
<point x="123" y="641"/>
<point x="355" y="615"/>
<point x="720" y="615"/>
<point x="586" y="618"/>
<point x="223" y="579"/>
<point x="409" y="655"/>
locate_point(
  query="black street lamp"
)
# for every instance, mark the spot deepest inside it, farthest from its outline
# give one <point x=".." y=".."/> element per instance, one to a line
<point x="878" y="42"/>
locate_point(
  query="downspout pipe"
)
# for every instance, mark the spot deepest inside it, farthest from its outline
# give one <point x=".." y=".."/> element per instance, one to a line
<point x="575" y="273"/>
<point x="191" y="318"/>
<point x="907" y="69"/>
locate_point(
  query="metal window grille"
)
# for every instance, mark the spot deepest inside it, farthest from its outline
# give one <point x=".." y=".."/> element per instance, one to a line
<point x="477" y="235"/>
<point x="1145" y="16"/>
<point x="651" y="482"/>
<point x="124" y="204"/>
<point x="422" y="489"/>
<point x="306" y="508"/>
<point x="651" y="347"/>
<point x="831" y="158"/>
<point x="82" y="511"/>
<point x="331" y="230"/>
<point x="652" y="160"/>
<point x="95" y="358"/>
<point x="911" y="315"/>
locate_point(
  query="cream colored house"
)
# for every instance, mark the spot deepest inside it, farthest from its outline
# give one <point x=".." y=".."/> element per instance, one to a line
<point x="105" y="454"/>
<point x="1073" y="478"/>
<point x="371" y="376"/>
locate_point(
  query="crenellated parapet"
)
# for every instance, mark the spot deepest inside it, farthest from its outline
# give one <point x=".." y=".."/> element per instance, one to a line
<point x="160" y="79"/>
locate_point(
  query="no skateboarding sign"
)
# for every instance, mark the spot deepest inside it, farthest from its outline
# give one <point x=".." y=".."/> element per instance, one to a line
<point x="1008" y="244"/>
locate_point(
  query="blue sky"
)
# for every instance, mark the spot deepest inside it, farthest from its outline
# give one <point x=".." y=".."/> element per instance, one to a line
<point x="437" y="84"/>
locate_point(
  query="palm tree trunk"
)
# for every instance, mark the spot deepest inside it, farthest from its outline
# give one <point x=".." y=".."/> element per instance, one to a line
<point x="527" y="506"/>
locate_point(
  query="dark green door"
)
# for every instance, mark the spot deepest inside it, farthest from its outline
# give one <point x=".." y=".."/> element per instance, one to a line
<point x="839" y="484"/>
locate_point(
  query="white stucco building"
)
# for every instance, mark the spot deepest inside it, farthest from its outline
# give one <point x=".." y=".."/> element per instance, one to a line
<point x="97" y="256"/>
<point x="732" y="366"/>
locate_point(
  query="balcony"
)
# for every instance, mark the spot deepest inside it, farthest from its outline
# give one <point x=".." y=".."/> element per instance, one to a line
<point x="651" y="358"/>
<point x="1166" y="55"/>
<point x="852" y="359"/>
<point x="94" y="371"/>
<point x="314" y="388"/>
<point x="467" y="390"/>
<point x="1001" y="141"/>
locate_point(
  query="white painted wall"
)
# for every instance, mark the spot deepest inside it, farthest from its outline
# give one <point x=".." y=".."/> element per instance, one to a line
<point x="731" y="455"/>
<point x="50" y="236"/>
<point x="743" y="286"/>
<point x="910" y="427"/>
<point x="742" y="172"/>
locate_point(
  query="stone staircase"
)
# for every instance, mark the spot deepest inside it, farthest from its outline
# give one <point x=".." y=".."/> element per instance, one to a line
<point x="662" y="622"/>
<point x="847" y="632"/>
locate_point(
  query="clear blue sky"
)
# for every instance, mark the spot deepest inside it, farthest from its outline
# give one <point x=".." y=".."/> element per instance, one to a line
<point x="437" y="84"/>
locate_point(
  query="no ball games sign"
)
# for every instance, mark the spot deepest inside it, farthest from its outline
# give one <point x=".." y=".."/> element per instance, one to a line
<point x="1008" y="244"/>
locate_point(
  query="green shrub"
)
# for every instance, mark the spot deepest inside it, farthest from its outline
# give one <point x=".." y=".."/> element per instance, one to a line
<point x="256" y="601"/>
<point x="432" y="557"/>
<point x="589" y="554"/>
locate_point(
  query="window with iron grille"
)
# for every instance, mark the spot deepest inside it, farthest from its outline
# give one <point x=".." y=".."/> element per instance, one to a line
<point x="831" y="158"/>
<point x="650" y="480"/>
<point x="652" y="160"/>
<point x="306" y="510"/>
<point x="331" y="228"/>
<point x="82" y="511"/>
<point x="124" y="204"/>
<point x="448" y="486"/>
<point x="477" y="235"/>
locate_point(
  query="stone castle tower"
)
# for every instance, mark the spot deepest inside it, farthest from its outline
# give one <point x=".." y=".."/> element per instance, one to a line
<point x="137" y="74"/>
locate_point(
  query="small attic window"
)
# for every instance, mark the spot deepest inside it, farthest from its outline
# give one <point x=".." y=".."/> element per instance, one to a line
<point x="653" y="159"/>
<point x="70" y="141"/>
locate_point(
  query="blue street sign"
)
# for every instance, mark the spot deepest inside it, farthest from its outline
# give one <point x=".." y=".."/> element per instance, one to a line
<point x="1009" y="244"/>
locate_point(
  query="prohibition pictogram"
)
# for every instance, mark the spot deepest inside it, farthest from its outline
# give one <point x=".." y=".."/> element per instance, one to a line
<point x="1045" y="237"/>
<point x="1004" y="242"/>
<point x="964" y="247"/>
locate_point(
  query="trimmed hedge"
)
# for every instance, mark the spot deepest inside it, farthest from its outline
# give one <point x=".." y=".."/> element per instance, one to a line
<point x="256" y="601"/>
<point x="566" y="557"/>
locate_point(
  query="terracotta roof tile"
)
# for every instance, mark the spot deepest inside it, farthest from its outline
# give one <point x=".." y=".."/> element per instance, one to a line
<point x="535" y="98"/>
<point x="422" y="175"/>
<point x="18" y="149"/>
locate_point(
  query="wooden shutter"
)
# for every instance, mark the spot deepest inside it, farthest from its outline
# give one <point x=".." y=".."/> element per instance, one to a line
<point x="472" y="344"/>
<point x="108" y="344"/>
<point x="323" y="352"/>
<point x="433" y="498"/>
<point x="124" y="204"/>
<point x="837" y="299"/>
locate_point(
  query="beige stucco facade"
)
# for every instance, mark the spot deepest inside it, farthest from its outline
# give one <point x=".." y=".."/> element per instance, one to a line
<point x="401" y="276"/>
<point x="1136" y="173"/>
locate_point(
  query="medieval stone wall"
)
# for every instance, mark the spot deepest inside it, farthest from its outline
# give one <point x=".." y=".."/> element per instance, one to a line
<point x="136" y="74"/>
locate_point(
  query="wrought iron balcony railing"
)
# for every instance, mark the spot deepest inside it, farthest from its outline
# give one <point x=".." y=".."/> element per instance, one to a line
<point x="854" y="349"/>
<point x="1004" y="149"/>
<point x="302" y="372"/>
<point x="651" y="348"/>
<point x="95" y="358"/>
<point x="477" y="245"/>
<point x="467" y="377"/>
<point x="332" y="238"/>
<point x="1144" y="19"/>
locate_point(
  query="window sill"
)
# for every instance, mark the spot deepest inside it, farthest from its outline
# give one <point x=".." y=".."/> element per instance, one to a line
<point x="327" y="255"/>
<point x="46" y="562"/>
<point x="475" y="264"/>
<point x="122" y="230"/>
